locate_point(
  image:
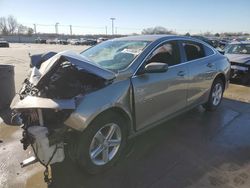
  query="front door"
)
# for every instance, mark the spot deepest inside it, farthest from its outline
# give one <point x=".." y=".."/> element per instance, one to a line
<point x="158" y="95"/>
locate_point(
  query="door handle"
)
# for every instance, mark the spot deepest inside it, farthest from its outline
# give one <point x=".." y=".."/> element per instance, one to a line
<point x="210" y="65"/>
<point x="181" y="73"/>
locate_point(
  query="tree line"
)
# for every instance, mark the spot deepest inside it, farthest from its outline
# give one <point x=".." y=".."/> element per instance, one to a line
<point x="10" y="26"/>
<point x="163" y="30"/>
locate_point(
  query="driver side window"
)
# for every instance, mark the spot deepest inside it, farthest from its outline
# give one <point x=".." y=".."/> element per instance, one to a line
<point x="166" y="53"/>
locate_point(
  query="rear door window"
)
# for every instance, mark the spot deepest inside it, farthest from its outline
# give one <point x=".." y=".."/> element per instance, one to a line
<point x="193" y="50"/>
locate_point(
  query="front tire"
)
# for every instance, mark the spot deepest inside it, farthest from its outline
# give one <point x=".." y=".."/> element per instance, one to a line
<point x="102" y="143"/>
<point x="215" y="96"/>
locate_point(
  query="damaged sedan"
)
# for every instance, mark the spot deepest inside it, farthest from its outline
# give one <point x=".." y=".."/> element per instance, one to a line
<point x="90" y="104"/>
<point x="238" y="54"/>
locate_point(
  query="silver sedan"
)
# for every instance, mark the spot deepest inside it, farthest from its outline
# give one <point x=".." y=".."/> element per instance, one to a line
<point x="114" y="91"/>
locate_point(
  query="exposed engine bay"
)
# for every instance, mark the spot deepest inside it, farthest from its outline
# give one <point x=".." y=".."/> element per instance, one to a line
<point x="49" y="96"/>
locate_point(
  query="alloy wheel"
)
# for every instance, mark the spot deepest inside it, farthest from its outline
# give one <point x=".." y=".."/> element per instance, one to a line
<point x="217" y="94"/>
<point x="105" y="144"/>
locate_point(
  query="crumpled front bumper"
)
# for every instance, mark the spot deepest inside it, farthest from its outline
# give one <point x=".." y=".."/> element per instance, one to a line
<point x="239" y="70"/>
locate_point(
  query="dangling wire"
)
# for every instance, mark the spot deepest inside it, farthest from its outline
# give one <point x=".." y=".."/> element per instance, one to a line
<point x="46" y="172"/>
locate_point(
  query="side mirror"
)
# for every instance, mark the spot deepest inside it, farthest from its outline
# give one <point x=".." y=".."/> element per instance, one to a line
<point x="156" y="67"/>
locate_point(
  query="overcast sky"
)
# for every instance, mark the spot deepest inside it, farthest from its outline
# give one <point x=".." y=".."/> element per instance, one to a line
<point x="92" y="16"/>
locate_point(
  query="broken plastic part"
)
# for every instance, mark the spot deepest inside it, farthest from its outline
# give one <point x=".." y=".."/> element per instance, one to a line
<point x="44" y="152"/>
<point x="39" y="102"/>
<point x="78" y="61"/>
<point x="28" y="161"/>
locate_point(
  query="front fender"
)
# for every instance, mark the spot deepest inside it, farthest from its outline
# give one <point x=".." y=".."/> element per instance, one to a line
<point x="118" y="94"/>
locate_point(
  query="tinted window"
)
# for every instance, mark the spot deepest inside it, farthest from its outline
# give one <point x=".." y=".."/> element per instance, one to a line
<point x="208" y="51"/>
<point x="166" y="53"/>
<point x="193" y="50"/>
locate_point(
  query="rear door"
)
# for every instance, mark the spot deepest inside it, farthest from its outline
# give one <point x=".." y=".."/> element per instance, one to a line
<point x="158" y="95"/>
<point x="201" y="68"/>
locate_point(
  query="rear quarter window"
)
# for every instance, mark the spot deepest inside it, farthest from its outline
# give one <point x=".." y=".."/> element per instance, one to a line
<point x="208" y="50"/>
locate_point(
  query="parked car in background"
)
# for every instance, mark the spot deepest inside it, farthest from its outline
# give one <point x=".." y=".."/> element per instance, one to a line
<point x="238" y="54"/>
<point x="52" y="41"/>
<point x="62" y="41"/>
<point x="223" y="43"/>
<point x="214" y="41"/>
<point x="114" y="91"/>
<point x="205" y="39"/>
<point x="74" y="42"/>
<point x="90" y="42"/>
<point x="101" y="39"/>
<point x="37" y="59"/>
<point x="4" y="43"/>
<point x="40" y="41"/>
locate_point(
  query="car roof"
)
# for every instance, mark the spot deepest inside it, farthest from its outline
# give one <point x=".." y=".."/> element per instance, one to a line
<point x="152" y="38"/>
<point x="147" y="37"/>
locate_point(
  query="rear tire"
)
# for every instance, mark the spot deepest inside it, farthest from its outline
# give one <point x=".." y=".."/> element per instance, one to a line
<point x="96" y="139"/>
<point x="215" y="96"/>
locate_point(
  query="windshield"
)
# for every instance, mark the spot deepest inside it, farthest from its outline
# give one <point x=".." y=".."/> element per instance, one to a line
<point x="238" y="49"/>
<point x="114" y="55"/>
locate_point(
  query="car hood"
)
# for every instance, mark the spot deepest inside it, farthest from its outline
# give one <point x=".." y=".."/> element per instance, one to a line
<point x="82" y="64"/>
<point x="238" y="58"/>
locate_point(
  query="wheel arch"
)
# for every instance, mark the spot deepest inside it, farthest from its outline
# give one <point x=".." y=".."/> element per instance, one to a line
<point x="116" y="110"/>
<point x="222" y="77"/>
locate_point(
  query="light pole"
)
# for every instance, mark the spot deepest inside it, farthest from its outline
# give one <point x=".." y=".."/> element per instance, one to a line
<point x="34" y="28"/>
<point x="70" y="29"/>
<point x="56" y="27"/>
<point x="112" y="20"/>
